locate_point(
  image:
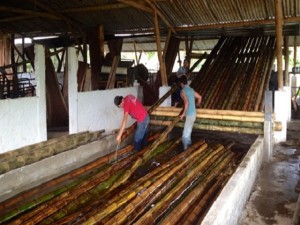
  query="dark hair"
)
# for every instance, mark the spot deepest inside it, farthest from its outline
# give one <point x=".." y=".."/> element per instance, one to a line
<point x="183" y="79"/>
<point x="118" y="100"/>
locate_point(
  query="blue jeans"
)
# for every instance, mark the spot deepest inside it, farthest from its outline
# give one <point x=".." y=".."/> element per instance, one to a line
<point x="187" y="131"/>
<point x="140" y="137"/>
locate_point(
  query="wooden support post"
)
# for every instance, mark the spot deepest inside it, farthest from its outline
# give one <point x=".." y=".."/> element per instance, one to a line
<point x="167" y="43"/>
<point x="295" y="52"/>
<point x="84" y="51"/>
<point x="163" y="73"/>
<point x="96" y="43"/>
<point x="135" y="53"/>
<point x="286" y="61"/>
<point x="23" y="53"/>
<point x="112" y="74"/>
<point x="279" y="41"/>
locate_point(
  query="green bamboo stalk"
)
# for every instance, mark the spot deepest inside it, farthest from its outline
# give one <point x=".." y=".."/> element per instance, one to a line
<point x="87" y="196"/>
<point x="93" y="208"/>
<point x="120" y="216"/>
<point x="187" y="202"/>
<point x="96" y="166"/>
<point x="151" y="216"/>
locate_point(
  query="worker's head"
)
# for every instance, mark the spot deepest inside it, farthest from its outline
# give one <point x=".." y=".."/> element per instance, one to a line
<point x="118" y="100"/>
<point x="183" y="80"/>
<point x="186" y="63"/>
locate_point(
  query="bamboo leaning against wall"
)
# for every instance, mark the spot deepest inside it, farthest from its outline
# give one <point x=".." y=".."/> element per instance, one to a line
<point x="236" y="73"/>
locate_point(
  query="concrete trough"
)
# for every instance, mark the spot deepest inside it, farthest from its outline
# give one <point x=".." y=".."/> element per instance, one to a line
<point x="226" y="209"/>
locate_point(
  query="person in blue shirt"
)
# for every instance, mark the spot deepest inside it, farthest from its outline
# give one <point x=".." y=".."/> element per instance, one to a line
<point x="182" y="71"/>
<point x="191" y="99"/>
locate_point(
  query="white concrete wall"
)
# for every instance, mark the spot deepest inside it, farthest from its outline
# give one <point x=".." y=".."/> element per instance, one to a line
<point x="281" y="110"/>
<point x="97" y="110"/>
<point x="23" y="116"/>
<point x="229" y="205"/>
<point x="94" y="110"/>
<point x="18" y="118"/>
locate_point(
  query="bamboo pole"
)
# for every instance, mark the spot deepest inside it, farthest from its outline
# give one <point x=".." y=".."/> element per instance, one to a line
<point x="152" y="215"/>
<point x="213" y="117"/>
<point x="176" y="171"/>
<point x="213" y="127"/>
<point x="182" y="207"/>
<point x="134" y="189"/>
<point x="85" y="198"/>
<point x="214" y="111"/>
<point x="55" y="182"/>
<point x="100" y="205"/>
<point x="204" y="201"/>
<point x="279" y="41"/>
<point x="286" y="61"/>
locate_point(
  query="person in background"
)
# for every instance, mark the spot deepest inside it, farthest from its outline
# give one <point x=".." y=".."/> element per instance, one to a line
<point x="183" y="70"/>
<point x="191" y="99"/>
<point x="133" y="107"/>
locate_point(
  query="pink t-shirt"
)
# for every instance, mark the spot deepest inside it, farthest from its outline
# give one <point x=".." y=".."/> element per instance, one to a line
<point x="134" y="108"/>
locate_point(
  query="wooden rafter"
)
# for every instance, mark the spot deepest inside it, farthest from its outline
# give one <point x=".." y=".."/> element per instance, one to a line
<point x="70" y="24"/>
<point x="162" y="16"/>
<point x="164" y="79"/>
<point x="279" y="41"/>
<point x="29" y="12"/>
<point x="96" y="8"/>
<point x="137" y="5"/>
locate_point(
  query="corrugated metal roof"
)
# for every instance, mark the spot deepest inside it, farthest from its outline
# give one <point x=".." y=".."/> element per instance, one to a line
<point x="200" y="18"/>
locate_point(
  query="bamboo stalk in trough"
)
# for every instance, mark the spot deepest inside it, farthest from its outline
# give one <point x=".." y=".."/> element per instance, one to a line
<point x="121" y="216"/>
<point x="151" y="216"/>
<point x="86" y="198"/>
<point x="203" y="202"/>
<point x="117" y="201"/>
<point x="183" y="206"/>
<point x="55" y="182"/>
<point x="111" y="172"/>
<point x="101" y="204"/>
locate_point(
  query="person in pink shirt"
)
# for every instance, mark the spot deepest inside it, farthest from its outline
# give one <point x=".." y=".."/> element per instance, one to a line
<point x="133" y="107"/>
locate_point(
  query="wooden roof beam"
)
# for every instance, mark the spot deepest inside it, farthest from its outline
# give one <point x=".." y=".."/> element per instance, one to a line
<point x="96" y="8"/>
<point x="28" y="12"/>
<point x="161" y="15"/>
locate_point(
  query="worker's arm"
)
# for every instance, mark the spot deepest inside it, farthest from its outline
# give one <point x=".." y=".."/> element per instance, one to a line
<point x="124" y="122"/>
<point x="185" y="102"/>
<point x="198" y="98"/>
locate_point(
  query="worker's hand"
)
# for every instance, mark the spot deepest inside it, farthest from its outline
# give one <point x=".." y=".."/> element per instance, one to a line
<point x="181" y="116"/>
<point x="118" y="139"/>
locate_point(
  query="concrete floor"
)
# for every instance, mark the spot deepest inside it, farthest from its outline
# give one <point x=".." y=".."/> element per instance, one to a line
<point x="275" y="195"/>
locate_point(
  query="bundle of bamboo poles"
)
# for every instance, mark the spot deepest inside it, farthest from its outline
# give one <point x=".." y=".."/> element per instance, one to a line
<point x="236" y="73"/>
<point x="219" y="120"/>
<point x="119" y="193"/>
<point x="35" y="152"/>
